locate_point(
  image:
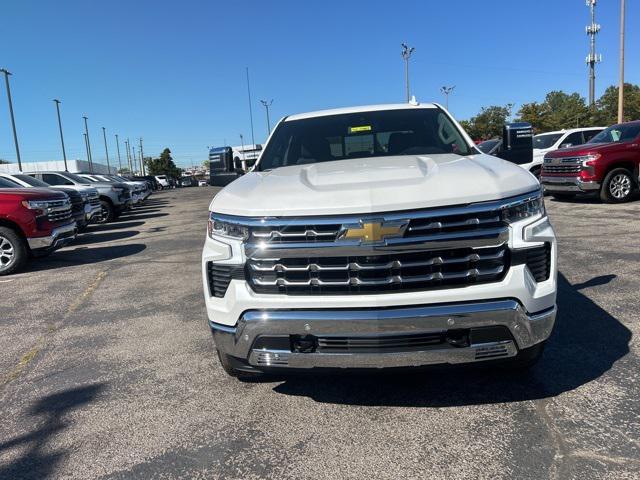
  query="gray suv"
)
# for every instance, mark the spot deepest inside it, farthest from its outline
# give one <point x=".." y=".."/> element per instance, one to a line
<point x="114" y="197"/>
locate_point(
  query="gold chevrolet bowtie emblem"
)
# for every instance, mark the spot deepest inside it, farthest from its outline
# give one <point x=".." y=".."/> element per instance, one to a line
<point x="372" y="232"/>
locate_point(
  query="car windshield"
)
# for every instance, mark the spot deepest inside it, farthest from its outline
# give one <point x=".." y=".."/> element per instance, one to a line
<point x="6" y="183"/>
<point x="416" y="131"/>
<point x="546" y="140"/>
<point x="617" y="133"/>
<point x="77" y="178"/>
<point x="488" y="145"/>
<point x="34" y="182"/>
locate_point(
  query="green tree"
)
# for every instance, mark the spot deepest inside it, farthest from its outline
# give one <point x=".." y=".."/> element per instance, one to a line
<point x="488" y="123"/>
<point x="559" y="110"/>
<point x="533" y="113"/>
<point x="163" y="165"/>
<point x="607" y="105"/>
<point x="124" y="171"/>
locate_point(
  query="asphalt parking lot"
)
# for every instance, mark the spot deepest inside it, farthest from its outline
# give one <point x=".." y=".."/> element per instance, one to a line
<point x="108" y="372"/>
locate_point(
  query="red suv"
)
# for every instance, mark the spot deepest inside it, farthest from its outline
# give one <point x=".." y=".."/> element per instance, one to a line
<point x="607" y="164"/>
<point x="33" y="221"/>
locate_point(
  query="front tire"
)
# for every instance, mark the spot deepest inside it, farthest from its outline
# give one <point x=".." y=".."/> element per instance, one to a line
<point x="618" y="186"/>
<point x="526" y="358"/>
<point x="13" y="251"/>
<point x="107" y="213"/>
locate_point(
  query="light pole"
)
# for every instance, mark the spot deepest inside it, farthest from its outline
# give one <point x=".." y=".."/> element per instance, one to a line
<point x="133" y="155"/>
<point x="142" y="157"/>
<point x="128" y="143"/>
<point x="266" y="106"/>
<point x="13" y="121"/>
<point x="250" y="108"/>
<point x="64" y="153"/>
<point x="106" y="149"/>
<point x="446" y="91"/>
<point x="86" y="145"/>
<point x="243" y="161"/>
<point x="118" y="149"/>
<point x="89" y="156"/>
<point x="406" y="55"/>
<point x="621" y="85"/>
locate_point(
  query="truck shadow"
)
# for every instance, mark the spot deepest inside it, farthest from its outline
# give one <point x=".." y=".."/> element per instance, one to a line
<point x="585" y="344"/>
<point x="84" y="256"/>
<point x="37" y="459"/>
<point x="91" y="237"/>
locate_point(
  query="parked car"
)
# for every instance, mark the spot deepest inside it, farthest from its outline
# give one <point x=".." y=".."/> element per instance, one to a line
<point x="138" y="189"/>
<point x="608" y="165"/>
<point x="188" y="182"/>
<point x="114" y="197"/>
<point x="85" y="202"/>
<point x="202" y="183"/>
<point x="381" y="237"/>
<point x="491" y="147"/>
<point x="150" y="179"/>
<point x="544" y="143"/>
<point x="163" y="181"/>
<point x="33" y="222"/>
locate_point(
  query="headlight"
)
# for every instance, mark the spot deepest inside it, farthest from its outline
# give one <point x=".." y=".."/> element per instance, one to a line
<point x="526" y="208"/>
<point x="220" y="227"/>
<point x="41" y="205"/>
<point x="117" y="189"/>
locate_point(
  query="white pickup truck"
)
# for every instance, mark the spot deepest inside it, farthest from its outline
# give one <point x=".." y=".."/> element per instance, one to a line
<point x="374" y="237"/>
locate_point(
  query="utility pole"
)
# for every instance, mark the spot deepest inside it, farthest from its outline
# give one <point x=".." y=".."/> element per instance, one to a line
<point x="243" y="160"/>
<point x="446" y="91"/>
<point x="621" y="84"/>
<point x="86" y="145"/>
<point x="128" y="145"/>
<point x="142" y="156"/>
<point x="253" y="140"/>
<point x="266" y="106"/>
<point x="64" y="153"/>
<point x="89" y="156"/>
<point x="118" y="149"/>
<point x="13" y="121"/>
<point x="106" y="149"/>
<point x="593" y="58"/>
<point x="406" y="55"/>
<point x="134" y="156"/>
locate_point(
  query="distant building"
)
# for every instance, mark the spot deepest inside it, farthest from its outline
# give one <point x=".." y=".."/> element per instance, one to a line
<point x="74" y="166"/>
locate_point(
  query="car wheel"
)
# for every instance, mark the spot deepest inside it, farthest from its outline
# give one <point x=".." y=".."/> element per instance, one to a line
<point x="13" y="251"/>
<point x="563" y="196"/>
<point x="228" y="367"/>
<point x="618" y="186"/>
<point x="107" y="212"/>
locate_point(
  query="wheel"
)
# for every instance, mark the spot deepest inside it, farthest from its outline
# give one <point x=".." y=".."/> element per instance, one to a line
<point x="227" y="365"/>
<point x="563" y="196"/>
<point x="618" y="186"/>
<point x="13" y="251"/>
<point x="107" y="212"/>
<point x="527" y="357"/>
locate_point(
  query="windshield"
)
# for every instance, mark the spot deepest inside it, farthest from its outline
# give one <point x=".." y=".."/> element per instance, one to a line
<point x="6" y="183"/>
<point x="617" y="133"/>
<point x="488" y="145"/>
<point x="418" y="131"/>
<point x="546" y="140"/>
<point x="77" y="178"/>
<point x="34" y="182"/>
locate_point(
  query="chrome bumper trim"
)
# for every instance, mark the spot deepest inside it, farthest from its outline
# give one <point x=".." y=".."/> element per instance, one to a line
<point x="568" y="184"/>
<point x="526" y="329"/>
<point x="91" y="211"/>
<point x="54" y="240"/>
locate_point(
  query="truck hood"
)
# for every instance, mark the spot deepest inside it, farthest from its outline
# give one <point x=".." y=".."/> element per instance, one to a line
<point x="586" y="148"/>
<point x="34" y="193"/>
<point x="371" y="185"/>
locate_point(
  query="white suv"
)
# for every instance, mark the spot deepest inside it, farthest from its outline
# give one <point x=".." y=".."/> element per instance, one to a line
<point x="375" y="237"/>
<point x="549" y="141"/>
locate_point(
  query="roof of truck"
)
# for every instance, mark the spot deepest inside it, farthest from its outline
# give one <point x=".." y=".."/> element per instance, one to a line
<point x="364" y="108"/>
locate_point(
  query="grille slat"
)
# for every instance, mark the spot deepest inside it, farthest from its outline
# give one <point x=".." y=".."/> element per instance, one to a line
<point x="561" y="169"/>
<point x="379" y="273"/>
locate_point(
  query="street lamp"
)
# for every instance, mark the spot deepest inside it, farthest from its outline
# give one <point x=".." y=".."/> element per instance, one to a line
<point x="267" y="104"/>
<point x="64" y="153"/>
<point x="13" y="121"/>
<point x="106" y="149"/>
<point x="446" y="91"/>
<point x="406" y="55"/>
<point x="243" y="160"/>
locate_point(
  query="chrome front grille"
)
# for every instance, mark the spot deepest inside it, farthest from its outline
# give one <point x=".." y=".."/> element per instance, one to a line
<point x="379" y="273"/>
<point x="60" y="214"/>
<point x="575" y="169"/>
<point x="94" y="201"/>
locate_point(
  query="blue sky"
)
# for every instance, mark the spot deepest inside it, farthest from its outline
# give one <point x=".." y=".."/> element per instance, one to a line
<point x="174" y="72"/>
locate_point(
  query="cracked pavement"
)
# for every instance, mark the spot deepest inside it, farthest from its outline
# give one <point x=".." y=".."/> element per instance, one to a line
<point x="108" y="371"/>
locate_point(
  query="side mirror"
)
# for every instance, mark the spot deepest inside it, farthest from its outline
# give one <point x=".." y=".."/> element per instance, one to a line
<point x="517" y="143"/>
<point x="566" y="145"/>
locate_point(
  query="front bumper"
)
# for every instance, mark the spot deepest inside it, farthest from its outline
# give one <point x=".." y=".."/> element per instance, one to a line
<point x="58" y="238"/>
<point x="568" y="184"/>
<point x="397" y="328"/>
<point x="91" y="211"/>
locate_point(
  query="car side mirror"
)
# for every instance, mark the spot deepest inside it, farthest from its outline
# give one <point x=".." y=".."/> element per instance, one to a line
<point x="566" y="145"/>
